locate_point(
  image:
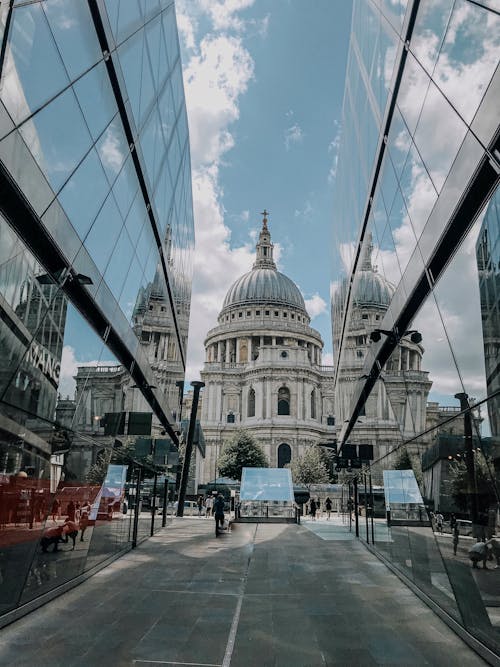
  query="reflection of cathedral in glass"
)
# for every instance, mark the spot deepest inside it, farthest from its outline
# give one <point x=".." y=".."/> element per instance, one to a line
<point x="396" y="407"/>
<point x="488" y="264"/>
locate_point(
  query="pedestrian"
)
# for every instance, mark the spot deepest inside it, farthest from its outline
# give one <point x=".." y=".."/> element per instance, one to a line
<point x="56" y="508"/>
<point x="218" y="510"/>
<point x="84" y="518"/>
<point x="328" y="507"/>
<point x="318" y="507"/>
<point x="456" y="534"/>
<point x="70" y="529"/>
<point x="439" y="522"/>
<point x="209" y="502"/>
<point x="70" y="510"/>
<point x="199" y="502"/>
<point x="494" y="545"/>
<point x="479" y="552"/>
<point x="52" y="535"/>
<point x="312" y="506"/>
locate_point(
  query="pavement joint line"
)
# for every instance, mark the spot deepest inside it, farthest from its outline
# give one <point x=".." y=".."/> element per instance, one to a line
<point x="172" y="590"/>
<point x="236" y="618"/>
<point x="176" y="662"/>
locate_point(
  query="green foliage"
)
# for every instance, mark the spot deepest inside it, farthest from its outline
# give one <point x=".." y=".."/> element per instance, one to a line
<point x="311" y="468"/>
<point x="98" y="470"/>
<point x="483" y="486"/>
<point x="242" y="451"/>
<point x="405" y="461"/>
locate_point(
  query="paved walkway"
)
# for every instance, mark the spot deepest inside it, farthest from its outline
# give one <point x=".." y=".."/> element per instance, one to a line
<point x="266" y="595"/>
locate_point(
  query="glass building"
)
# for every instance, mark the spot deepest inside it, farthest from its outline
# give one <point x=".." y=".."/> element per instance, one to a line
<point x="415" y="304"/>
<point x="96" y="247"/>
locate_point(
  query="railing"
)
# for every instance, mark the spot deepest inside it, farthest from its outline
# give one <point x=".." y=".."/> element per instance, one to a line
<point x="101" y="369"/>
<point x="233" y="366"/>
<point x="254" y="326"/>
<point x="411" y="374"/>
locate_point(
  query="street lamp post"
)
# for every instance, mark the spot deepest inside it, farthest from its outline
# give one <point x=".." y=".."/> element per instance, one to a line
<point x="197" y="385"/>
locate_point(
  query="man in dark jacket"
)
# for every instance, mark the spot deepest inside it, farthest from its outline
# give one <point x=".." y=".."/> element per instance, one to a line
<point x="218" y="511"/>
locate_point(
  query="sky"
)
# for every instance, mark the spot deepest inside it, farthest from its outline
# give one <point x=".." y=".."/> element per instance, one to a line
<point x="264" y="84"/>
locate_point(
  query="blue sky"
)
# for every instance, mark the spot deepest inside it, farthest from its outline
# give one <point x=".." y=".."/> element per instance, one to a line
<point x="264" y="83"/>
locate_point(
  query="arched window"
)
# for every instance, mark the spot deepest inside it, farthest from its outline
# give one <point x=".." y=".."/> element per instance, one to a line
<point x="251" y="403"/>
<point x="284" y="455"/>
<point x="313" y="404"/>
<point x="230" y="418"/>
<point x="283" y="401"/>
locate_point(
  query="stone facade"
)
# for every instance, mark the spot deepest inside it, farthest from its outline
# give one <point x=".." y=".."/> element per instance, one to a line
<point x="263" y="368"/>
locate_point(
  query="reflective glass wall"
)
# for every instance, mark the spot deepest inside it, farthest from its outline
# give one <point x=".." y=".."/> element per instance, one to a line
<point x="415" y="295"/>
<point x="96" y="245"/>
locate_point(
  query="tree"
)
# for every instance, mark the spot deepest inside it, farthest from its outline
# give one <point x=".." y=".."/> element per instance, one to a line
<point x="310" y="468"/>
<point x="483" y="484"/>
<point x="241" y="451"/>
<point x="405" y="461"/>
<point x="97" y="472"/>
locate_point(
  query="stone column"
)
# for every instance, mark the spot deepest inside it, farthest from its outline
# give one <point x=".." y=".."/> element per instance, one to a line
<point x="299" y="400"/>
<point x="269" y="410"/>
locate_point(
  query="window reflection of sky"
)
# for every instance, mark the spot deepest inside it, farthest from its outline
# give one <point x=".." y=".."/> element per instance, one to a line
<point x="266" y="484"/>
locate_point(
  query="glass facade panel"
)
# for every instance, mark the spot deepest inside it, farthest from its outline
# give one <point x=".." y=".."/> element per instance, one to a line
<point x="85" y="315"/>
<point x="417" y="360"/>
<point x="33" y="71"/>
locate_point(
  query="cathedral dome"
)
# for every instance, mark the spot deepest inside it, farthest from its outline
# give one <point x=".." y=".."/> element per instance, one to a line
<point x="264" y="284"/>
<point x="372" y="289"/>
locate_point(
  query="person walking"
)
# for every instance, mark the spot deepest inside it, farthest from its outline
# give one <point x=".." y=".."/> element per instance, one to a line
<point x="85" y="510"/>
<point x="199" y="502"/>
<point x="439" y="522"/>
<point x="456" y="537"/>
<point x="312" y="506"/>
<point x="218" y="511"/>
<point x="328" y="507"/>
<point x="318" y="507"/>
<point x="208" y="506"/>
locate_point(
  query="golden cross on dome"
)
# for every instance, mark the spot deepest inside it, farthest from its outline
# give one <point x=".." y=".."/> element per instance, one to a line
<point x="264" y="220"/>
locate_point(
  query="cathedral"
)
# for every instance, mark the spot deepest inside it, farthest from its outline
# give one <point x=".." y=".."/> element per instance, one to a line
<point x="263" y="368"/>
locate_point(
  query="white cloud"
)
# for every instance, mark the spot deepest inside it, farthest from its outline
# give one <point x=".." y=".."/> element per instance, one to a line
<point x="223" y="13"/>
<point x="333" y="149"/>
<point x="218" y="70"/>
<point x="327" y="359"/>
<point x="69" y="368"/>
<point x="110" y="150"/>
<point x="293" y="135"/>
<point x="315" y="306"/>
<point x="306" y="213"/>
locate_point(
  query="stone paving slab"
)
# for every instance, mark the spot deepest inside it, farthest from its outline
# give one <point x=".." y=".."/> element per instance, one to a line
<point x="264" y="595"/>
